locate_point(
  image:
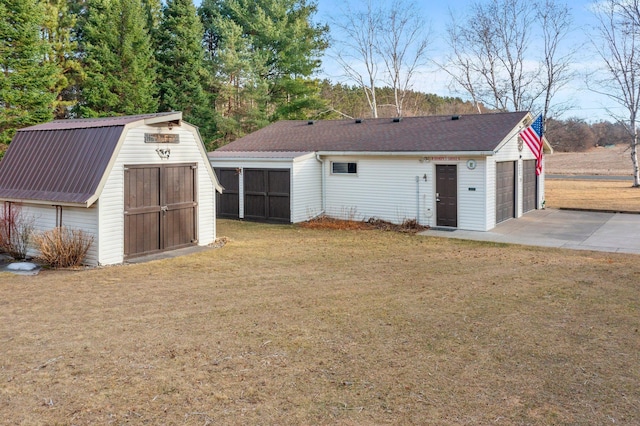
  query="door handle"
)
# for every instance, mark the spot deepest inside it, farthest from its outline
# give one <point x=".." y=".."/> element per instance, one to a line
<point x="437" y="200"/>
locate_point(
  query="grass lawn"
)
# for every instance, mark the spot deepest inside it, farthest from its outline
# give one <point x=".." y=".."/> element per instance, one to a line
<point x="592" y="194"/>
<point x="285" y="325"/>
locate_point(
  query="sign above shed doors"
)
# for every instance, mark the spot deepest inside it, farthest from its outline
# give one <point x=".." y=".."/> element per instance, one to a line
<point x="162" y="138"/>
<point x="159" y="207"/>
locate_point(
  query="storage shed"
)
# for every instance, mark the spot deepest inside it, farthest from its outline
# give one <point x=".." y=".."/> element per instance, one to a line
<point x="468" y="172"/>
<point x="138" y="184"/>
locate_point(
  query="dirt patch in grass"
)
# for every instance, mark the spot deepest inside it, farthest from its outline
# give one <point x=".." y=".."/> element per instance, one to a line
<point x="607" y="195"/>
<point x="288" y="325"/>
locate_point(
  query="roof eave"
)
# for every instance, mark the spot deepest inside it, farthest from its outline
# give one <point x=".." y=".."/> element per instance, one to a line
<point x="409" y="153"/>
<point x="175" y="117"/>
<point x="86" y="204"/>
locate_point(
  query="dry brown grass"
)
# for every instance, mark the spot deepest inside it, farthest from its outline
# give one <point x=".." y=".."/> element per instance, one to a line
<point x="285" y="325"/>
<point x="611" y="161"/>
<point x="609" y="195"/>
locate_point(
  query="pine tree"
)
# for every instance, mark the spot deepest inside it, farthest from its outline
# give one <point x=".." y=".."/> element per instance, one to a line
<point x="118" y="60"/>
<point x="57" y="30"/>
<point x="28" y="79"/>
<point x="183" y="78"/>
<point x="263" y="54"/>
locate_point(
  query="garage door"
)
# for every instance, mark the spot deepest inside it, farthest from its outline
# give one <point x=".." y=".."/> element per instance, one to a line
<point x="159" y="208"/>
<point x="228" y="202"/>
<point x="267" y="195"/>
<point x="505" y="190"/>
<point x="529" y="185"/>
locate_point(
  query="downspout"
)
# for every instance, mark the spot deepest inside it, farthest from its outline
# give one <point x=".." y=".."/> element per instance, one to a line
<point x="418" y="199"/>
<point x="323" y="185"/>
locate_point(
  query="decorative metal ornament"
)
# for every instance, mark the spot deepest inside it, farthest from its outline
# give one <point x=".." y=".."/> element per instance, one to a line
<point x="163" y="153"/>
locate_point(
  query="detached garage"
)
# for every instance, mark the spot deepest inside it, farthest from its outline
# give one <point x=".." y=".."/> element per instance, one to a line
<point x="468" y="172"/>
<point x="139" y="184"/>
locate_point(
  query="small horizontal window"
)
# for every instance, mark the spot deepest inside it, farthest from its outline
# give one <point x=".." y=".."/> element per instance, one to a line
<point x="344" y="168"/>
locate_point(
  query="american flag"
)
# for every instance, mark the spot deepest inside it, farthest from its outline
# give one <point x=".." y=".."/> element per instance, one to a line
<point x="532" y="136"/>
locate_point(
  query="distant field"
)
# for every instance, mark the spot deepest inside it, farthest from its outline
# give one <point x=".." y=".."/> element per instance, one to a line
<point x="292" y="326"/>
<point x="592" y="194"/>
<point x="613" y="161"/>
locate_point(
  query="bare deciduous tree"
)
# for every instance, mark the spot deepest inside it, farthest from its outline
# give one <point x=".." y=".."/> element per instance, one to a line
<point x="618" y="44"/>
<point x="556" y="23"/>
<point x="489" y="53"/>
<point x="403" y="47"/>
<point x="393" y="37"/>
<point x="357" y="52"/>
<point x="492" y="58"/>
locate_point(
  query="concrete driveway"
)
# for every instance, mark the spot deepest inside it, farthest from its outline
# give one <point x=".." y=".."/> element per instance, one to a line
<point x="610" y="232"/>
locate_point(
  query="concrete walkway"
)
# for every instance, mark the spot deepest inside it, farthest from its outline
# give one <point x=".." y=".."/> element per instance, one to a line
<point x="579" y="230"/>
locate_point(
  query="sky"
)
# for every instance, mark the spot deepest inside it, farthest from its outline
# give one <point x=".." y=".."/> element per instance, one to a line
<point x="586" y="104"/>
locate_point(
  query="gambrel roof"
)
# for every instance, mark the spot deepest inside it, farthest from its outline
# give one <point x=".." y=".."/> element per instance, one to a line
<point x="64" y="161"/>
<point x="479" y="133"/>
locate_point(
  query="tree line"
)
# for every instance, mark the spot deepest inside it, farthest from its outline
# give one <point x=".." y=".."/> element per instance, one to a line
<point x="233" y="66"/>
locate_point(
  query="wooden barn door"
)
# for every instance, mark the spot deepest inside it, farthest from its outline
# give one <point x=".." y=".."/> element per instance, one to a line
<point x="228" y="203"/>
<point x="267" y="195"/>
<point x="159" y="208"/>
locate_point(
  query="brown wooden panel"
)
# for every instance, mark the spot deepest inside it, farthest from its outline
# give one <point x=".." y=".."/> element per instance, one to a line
<point x="267" y="195"/>
<point x="180" y="202"/>
<point x="447" y="195"/>
<point x="505" y="190"/>
<point x="529" y="185"/>
<point x="255" y="194"/>
<point x="228" y="203"/>
<point x="160" y="207"/>
<point x="278" y="195"/>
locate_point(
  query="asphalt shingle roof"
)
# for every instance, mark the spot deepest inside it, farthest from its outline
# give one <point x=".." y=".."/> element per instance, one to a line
<point x="481" y="132"/>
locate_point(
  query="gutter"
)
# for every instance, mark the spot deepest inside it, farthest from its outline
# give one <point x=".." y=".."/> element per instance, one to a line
<point x="86" y="204"/>
<point x="408" y="153"/>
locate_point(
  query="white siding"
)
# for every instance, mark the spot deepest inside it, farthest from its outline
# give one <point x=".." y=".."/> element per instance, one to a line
<point x="44" y="218"/>
<point x="541" y="184"/>
<point x="490" y="200"/>
<point x="135" y="151"/>
<point x="388" y="188"/>
<point x="306" y="192"/>
<point x="472" y="195"/>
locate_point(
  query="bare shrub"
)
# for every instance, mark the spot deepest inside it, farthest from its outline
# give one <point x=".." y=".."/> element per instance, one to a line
<point x="63" y="247"/>
<point x="16" y="231"/>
